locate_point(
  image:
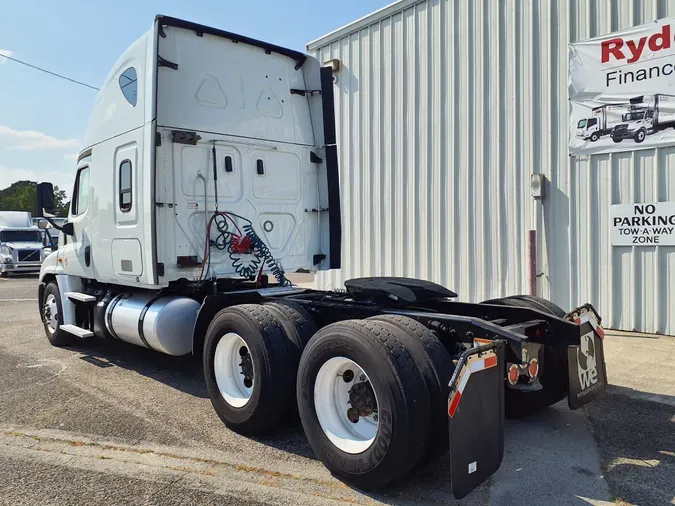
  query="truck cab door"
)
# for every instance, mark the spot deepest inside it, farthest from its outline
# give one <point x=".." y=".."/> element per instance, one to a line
<point x="592" y="126"/>
<point x="75" y="256"/>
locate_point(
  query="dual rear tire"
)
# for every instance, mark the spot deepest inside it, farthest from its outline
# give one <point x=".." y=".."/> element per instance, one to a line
<point x="400" y="425"/>
<point x="251" y="355"/>
<point x="371" y="394"/>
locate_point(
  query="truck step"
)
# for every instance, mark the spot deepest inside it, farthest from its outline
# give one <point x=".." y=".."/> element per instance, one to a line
<point x="78" y="331"/>
<point x="80" y="297"/>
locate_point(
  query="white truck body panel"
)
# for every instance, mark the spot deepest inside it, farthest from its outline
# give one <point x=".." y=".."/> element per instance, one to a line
<point x="15" y="219"/>
<point x="236" y="96"/>
<point x="252" y="117"/>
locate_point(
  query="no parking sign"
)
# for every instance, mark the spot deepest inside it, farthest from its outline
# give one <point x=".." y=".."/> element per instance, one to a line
<point x="643" y="224"/>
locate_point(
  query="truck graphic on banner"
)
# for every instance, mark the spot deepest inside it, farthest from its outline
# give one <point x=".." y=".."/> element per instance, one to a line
<point x="617" y="93"/>
<point x="602" y="121"/>
<point x="648" y="114"/>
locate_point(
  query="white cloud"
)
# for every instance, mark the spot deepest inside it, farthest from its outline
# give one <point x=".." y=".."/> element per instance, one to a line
<point x="29" y="140"/>
<point x="63" y="179"/>
<point x="71" y="157"/>
<point x="5" y="52"/>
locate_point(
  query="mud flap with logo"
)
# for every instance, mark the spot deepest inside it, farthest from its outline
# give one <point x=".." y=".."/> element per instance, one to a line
<point x="476" y="417"/>
<point x="586" y="362"/>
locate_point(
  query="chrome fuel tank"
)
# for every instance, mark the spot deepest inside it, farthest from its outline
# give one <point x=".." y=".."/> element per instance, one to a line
<point x="162" y="323"/>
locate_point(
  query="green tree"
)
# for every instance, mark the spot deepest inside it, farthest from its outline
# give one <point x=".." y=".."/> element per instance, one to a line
<point x="61" y="202"/>
<point x="22" y="196"/>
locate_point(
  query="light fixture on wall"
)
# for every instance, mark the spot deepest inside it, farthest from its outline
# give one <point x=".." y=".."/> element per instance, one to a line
<point x="537" y="186"/>
<point x="334" y="64"/>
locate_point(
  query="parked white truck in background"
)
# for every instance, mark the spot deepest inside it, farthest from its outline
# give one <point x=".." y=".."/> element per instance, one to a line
<point x="211" y="164"/>
<point x="21" y="244"/>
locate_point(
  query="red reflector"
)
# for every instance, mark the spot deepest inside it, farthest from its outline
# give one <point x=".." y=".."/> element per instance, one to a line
<point x="513" y="374"/>
<point x="454" y="404"/>
<point x="491" y="361"/>
<point x="533" y="368"/>
<point x="600" y="331"/>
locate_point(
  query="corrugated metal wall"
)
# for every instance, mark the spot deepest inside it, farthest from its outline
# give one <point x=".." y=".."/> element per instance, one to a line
<point x="444" y="108"/>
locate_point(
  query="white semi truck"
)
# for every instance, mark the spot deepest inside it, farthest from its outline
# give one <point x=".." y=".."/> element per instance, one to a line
<point x="22" y="247"/>
<point x="210" y="171"/>
<point x="648" y="114"/>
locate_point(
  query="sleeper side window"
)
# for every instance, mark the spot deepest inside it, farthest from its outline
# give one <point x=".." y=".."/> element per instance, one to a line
<point x="129" y="85"/>
<point x="125" y="186"/>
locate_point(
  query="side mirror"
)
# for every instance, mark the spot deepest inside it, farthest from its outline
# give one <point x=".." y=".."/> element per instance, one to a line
<point x="45" y="200"/>
<point x="68" y="229"/>
<point x="42" y="224"/>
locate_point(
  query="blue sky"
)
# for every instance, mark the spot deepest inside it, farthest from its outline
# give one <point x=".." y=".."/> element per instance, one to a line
<point x="43" y="119"/>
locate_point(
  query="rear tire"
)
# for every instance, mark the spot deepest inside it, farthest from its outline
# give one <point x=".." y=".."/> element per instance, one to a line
<point x="296" y="321"/>
<point x="401" y="402"/>
<point x="249" y="401"/>
<point x="435" y="365"/>
<point x="52" y="317"/>
<point x="299" y="327"/>
<point x="555" y="376"/>
<point x="539" y="303"/>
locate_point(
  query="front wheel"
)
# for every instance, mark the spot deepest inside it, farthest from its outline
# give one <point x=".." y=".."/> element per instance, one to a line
<point x="52" y="317"/>
<point x="363" y="403"/>
<point x="640" y="136"/>
<point x="594" y="136"/>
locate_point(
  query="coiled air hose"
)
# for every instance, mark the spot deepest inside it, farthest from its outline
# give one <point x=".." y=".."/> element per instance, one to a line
<point x="246" y="242"/>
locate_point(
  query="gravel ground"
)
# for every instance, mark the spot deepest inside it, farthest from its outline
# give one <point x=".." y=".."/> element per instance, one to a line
<point x="109" y="423"/>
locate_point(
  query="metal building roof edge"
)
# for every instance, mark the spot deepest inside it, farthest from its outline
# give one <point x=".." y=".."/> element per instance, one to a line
<point x="368" y="19"/>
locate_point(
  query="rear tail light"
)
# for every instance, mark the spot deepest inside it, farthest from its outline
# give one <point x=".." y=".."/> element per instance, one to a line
<point x="533" y="368"/>
<point x="514" y="374"/>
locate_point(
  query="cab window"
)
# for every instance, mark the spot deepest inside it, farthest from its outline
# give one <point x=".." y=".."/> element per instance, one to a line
<point x="129" y="85"/>
<point x="81" y="192"/>
<point x="125" y="186"/>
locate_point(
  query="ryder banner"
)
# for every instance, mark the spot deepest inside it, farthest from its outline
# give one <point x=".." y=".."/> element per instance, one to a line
<point x="622" y="90"/>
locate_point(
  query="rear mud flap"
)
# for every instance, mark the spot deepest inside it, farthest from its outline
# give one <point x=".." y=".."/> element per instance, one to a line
<point x="586" y="363"/>
<point x="476" y="417"/>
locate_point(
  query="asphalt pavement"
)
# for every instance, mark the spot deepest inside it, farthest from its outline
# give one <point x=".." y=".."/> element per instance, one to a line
<point x="110" y="423"/>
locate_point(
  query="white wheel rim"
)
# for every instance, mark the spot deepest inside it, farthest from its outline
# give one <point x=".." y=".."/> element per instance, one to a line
<point x="51" y="313"/>
<point x="331" y="401"/>
<point x="228" y="370"/>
